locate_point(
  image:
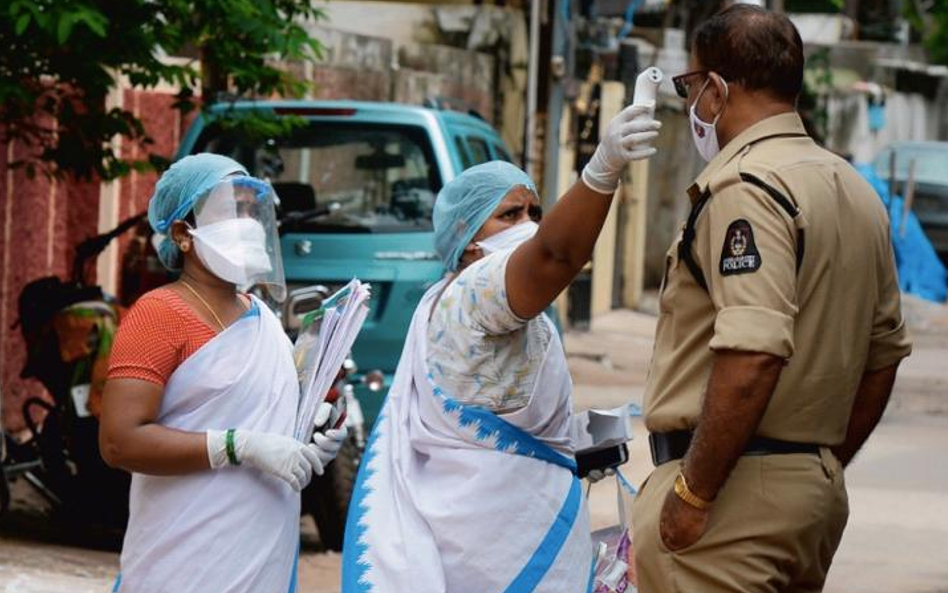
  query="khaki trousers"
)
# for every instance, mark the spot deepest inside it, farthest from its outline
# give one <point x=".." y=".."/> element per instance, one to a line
<point x="774" y="527"/>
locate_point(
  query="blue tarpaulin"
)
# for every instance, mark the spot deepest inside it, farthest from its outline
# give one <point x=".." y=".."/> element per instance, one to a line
<point x="921" y="273"/>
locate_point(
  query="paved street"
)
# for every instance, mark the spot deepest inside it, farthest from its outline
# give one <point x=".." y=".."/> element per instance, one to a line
<point x="895" y="541"/>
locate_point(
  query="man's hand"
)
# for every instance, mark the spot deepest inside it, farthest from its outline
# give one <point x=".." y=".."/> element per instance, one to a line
<point x="680" y="525"/>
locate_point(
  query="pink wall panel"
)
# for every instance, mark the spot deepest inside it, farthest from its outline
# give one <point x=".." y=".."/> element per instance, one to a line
<point x="41" y="222"/>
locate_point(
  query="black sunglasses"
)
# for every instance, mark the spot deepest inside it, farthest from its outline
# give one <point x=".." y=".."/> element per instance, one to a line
<point x="682" y="83"/>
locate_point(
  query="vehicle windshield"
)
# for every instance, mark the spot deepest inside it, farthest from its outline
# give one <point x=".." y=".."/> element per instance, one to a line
<point x="342" y="177"/>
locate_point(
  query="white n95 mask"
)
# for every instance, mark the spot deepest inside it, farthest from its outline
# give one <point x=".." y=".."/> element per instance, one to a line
<point x="233" y="250"/>
<point x="510" y="238"/>
<point x="705" y="134"/>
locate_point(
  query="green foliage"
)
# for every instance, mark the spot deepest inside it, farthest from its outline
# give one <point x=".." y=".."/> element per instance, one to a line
<point x="930" y="20"/>
<point x="61" y="58"/>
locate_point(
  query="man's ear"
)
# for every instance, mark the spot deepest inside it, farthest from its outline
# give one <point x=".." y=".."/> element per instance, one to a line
<point x="719" y="100"/>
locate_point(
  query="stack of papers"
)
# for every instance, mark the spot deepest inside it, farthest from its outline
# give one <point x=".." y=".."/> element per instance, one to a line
<point x="324" y="341"/>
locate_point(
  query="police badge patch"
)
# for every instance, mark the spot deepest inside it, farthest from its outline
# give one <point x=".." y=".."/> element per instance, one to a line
<point x="739" y="254"/>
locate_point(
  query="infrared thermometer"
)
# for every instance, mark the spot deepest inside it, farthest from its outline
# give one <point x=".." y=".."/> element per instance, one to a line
<point x="646" y="91"/>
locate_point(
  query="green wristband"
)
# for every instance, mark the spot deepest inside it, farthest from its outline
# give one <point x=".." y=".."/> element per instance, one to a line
<point x="229" y="441"/>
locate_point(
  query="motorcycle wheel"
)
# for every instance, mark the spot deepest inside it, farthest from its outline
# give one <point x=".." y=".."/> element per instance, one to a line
<point x="327" y="496"/>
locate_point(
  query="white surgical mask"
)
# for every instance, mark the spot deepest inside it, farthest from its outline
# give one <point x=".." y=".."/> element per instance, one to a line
<point x="233" y="250"/>
<point x="509" y="238"/>
<point x="705" y="134"/>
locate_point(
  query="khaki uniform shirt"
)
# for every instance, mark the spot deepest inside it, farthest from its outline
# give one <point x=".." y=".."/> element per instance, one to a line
<point x="833" y="319"/>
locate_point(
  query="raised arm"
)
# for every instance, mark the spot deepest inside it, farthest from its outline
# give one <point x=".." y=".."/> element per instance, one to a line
<point x="540" y="269"/>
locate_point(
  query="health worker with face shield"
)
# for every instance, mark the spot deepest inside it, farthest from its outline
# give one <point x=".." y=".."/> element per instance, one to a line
<point x="202" y="394"/>
<point x="468" y="483"/>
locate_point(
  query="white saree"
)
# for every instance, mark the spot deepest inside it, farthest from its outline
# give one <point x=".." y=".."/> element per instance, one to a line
<point x="234" y="530"/>
<point x="453" y="498"/>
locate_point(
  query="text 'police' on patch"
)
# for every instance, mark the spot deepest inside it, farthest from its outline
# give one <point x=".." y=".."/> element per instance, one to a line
<point x="739" y="254"/>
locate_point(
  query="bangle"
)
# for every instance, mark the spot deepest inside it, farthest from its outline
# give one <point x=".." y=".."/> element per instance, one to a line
<point x="684" y="492"/>
<point x="231" y="452"/>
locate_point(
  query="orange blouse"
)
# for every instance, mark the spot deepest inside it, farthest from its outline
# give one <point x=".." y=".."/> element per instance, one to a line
<point x="159" y="333"/>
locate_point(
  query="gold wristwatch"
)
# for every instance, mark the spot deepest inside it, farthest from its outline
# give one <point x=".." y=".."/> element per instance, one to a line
<point x="685" y="493"/>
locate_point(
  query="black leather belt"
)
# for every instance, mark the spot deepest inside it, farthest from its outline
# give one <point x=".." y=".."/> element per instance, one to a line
<point x="669" y="446"/>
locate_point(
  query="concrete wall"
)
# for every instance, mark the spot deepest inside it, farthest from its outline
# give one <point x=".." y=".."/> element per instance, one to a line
<point x="404" y="23"/>
<point x="436" y="45"/>
<point x="439" y="71"/>
<point x="354" y="66"/>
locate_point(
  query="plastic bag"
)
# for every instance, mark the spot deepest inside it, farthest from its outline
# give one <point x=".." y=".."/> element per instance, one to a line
<point x="612" y="548"/>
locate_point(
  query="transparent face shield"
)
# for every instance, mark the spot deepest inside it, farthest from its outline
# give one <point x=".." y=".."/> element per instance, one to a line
<point x="236" y="236"/>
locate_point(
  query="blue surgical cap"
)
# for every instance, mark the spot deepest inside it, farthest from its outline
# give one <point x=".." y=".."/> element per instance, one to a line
<point x="177" y="190"/>
<point x="467" y="201"/>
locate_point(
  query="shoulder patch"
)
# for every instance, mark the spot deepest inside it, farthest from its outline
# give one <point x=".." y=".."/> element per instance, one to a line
<point x="739" y="254"/>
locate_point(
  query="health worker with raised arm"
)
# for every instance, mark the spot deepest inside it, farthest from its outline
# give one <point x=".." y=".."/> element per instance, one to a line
<point x="468" y="483"/>
<point x="201" y="398"/>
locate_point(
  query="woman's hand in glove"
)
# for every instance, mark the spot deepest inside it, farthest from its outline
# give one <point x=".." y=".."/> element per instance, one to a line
<point x="326" y="444"/>
<point x="625" y="140"/>
<point x="282" y="456"/>
<point x="597" y="475"/>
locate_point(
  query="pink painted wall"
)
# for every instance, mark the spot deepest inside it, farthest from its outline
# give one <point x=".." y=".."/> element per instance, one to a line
<point x="42" y="221"/>
<point x="166" y="127"/>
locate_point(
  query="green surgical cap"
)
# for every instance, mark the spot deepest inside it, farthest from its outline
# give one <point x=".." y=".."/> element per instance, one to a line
<point x="467" y="201"/>
<point x="177" y="190"/>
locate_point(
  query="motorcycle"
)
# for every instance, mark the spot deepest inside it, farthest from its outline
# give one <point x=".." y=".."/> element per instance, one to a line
<point x="68" y="327"/>
<point x="16" y="459"/>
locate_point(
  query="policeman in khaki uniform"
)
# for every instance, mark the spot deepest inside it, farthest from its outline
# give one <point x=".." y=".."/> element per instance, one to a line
<point x="779" y="334"/>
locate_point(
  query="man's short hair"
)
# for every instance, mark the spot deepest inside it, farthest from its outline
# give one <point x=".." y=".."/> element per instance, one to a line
<point x="757" y="48"/>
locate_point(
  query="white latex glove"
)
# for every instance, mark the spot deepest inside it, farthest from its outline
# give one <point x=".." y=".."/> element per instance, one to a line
<point x="275" y="454"/>
<point x="326" y="445"/>
<point x="625" y="140"/>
